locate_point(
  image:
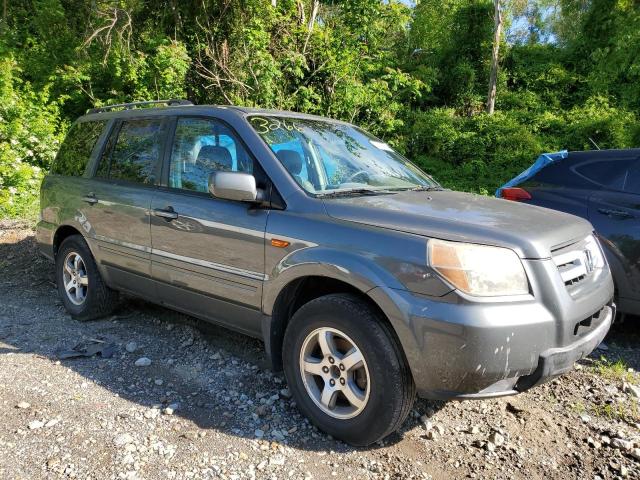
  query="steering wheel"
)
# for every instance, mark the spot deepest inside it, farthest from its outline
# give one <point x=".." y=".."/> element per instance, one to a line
<point x="353" y="177"/>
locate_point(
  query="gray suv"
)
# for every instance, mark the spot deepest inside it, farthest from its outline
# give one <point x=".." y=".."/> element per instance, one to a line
<point x="365" y="279"/>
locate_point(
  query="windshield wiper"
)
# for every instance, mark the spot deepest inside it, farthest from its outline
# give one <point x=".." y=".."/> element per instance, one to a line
<point x="354" y="191"/>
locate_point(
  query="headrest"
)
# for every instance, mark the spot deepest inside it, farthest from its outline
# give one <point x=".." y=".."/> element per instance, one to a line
<point x="291" y="160"/>
<point x="217" y="155"/>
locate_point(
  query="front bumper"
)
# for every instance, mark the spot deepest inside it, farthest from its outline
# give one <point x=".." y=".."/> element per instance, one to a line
<point x="556" y="361"/>
<point x="460" y="349"/>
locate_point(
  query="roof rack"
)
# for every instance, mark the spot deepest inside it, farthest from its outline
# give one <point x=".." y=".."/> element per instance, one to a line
<point x="132" y="105"/>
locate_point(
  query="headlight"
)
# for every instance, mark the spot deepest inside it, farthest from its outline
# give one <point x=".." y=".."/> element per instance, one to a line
<point x="479" y="270"/>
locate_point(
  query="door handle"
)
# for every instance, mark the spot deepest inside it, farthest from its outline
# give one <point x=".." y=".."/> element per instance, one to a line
<point x="90" y="198"/>
<point x="615" y="213"/>
<point x="167" y="213"/>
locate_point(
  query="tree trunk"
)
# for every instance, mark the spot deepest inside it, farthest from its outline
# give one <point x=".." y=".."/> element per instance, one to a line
<point x="5" y="16"/>
<point x="493" y="78"/>
<point x="312" y="20"/>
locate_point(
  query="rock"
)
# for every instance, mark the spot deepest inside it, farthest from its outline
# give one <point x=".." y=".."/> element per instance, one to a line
<point x="143" y="362"/>
<point x="171" y="409"/>
<point x="122" y="439"/>
<point x="424" y="419"/>
<point x="276" y="460"/>
<point x="479" y="443"/>
<point x="593" y="443"/>
<point x="285" y="393"/>
<point x="158" y="381"/>
<point x="261" y="411"/>
<point x="439" y="428"/>
<point x="635" y="453"/>
<point x="624" y="471"/>
<point x="490" y="446"/>
<point x="430" y="435"/>
<point x="496" y="438"/>
<point x="191" y="435"/>
<point x="151" y="413"/>
<point x="511" y="408"/>
<point x="630" y="389"/>
<point x="131" y="347"/>
<point x="622" y="444"/>
<point x="258" y="433"/>
<point x="473" y="430"/>
<point x="35" y="424"/>
<point x="585" y="418"/>
<point x="23" y="405"/>
<point x="52" y="422"/>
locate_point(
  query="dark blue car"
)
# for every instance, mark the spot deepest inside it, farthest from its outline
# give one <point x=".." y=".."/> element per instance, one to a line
<point x="602" y="186"/>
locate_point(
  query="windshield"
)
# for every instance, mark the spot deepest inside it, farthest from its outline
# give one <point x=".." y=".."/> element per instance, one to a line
<point x="327" y="157"/>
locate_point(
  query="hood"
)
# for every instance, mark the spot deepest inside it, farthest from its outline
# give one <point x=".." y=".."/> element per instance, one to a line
<point x="529" y="230"/>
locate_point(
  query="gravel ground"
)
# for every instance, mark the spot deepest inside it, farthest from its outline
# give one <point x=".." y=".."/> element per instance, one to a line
<point x="204" y="405"/>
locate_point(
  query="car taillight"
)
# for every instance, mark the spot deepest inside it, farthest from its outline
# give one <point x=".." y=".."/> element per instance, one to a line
<point x="515" y="193"/>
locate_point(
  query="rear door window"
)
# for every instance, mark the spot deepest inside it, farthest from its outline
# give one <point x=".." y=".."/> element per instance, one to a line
<point x="136" y="153"/>
<point x="75" y="151"/>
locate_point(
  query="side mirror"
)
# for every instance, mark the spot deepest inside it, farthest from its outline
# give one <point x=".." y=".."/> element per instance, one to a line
<point x="236" y="186"/>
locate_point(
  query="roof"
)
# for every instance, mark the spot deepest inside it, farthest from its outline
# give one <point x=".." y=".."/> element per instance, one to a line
<point x="182" y="107"/>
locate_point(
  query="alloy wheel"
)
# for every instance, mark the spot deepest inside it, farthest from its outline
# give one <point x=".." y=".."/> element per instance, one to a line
<point x="75" y="279"/>
<point x="334" y="373"/>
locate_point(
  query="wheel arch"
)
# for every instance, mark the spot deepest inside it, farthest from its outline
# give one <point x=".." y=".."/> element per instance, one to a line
<point x="301" y="290"/>
<point x="63" y="232"/>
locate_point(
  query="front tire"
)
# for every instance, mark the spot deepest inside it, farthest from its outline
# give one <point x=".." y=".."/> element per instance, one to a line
<point x="80" y="285"/>
<point x="346" y="371"/>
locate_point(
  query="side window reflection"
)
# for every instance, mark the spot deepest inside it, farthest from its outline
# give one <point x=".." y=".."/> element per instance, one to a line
<point x="203" y="146"/>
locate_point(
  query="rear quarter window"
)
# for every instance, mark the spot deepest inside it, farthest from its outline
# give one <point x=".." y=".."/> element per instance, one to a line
<point x="75" y="151"/>
<point x="608" y="173"/>
<point x="559" y="173"/>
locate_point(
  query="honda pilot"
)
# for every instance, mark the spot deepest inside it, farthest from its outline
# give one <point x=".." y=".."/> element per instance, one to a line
<point x="368" y="282"/>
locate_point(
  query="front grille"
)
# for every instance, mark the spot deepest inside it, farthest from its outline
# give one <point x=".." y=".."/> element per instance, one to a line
<point x="577" y="261"/>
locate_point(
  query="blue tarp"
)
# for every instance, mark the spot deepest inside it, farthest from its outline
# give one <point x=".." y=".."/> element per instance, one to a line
<point x="542" y="161"/>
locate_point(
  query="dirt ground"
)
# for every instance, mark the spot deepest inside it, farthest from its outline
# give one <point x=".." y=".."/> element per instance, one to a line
<point x="207" y="407"/>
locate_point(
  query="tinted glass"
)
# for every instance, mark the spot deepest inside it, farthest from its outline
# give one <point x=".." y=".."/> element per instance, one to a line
<point x="136" y="152"/>
<point x="632" y="181"/>
<point x="202" y="146"/>
<point x="76" y="149"/>
<point x="610" y="173"/>
<point x="103" y="164"/>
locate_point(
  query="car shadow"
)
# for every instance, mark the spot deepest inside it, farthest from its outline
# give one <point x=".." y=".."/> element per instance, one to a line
<point x="215" y="378"/>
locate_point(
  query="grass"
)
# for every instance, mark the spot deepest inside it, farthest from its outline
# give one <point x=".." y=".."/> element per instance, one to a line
<point x="616" y="371"/>
<point x="627" y="411"/>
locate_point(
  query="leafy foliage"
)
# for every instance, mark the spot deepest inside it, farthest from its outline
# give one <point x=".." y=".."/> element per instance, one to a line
<point x="415" y="76"/>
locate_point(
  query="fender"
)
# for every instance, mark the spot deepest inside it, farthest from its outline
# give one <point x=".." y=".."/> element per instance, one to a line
<point x="363" y="272"/>
<point x="360" y="271"/>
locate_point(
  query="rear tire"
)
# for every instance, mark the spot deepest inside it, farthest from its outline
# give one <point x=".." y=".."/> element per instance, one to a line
<point x="80" y="285"/>
<point x="346" y="370"/>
